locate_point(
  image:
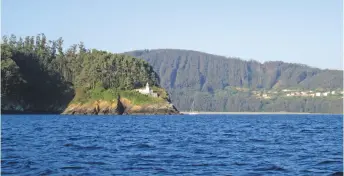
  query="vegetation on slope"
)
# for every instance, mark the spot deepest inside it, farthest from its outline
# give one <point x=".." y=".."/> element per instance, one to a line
<point x="39" y="75"/>
<point x="100" y="93"/>
<point x="195" y="76"/>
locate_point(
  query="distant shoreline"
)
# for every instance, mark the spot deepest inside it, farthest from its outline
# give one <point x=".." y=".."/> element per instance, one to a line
<point x="257" y="113"/>
<point x="184" y="113"/>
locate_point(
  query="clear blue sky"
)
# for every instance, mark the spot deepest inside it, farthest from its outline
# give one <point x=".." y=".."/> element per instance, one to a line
<point x="298" y="31"/>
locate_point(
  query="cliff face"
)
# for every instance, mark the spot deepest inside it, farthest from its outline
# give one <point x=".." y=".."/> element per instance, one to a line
<point x="121" y="106"/>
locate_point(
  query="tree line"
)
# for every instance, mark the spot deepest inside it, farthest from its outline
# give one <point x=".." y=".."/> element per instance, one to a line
<point x="38" y="73"/>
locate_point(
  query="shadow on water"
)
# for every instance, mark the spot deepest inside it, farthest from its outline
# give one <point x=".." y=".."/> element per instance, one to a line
<point x="45" y="91"/>
<point x="337" y="174"/>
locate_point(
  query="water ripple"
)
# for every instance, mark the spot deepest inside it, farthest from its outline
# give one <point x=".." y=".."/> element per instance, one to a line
<point x="172" y="145"/>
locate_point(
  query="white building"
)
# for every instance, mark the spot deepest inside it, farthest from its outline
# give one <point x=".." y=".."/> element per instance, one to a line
<point x="318" y="94"/>
<point x="147" y="91"/>
<point x="333" y="92"/>
<point x="266" y="96"/>
<point x="325" y="93"/>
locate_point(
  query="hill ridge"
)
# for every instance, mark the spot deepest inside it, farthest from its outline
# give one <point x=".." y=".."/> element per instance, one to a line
<point x="189" y="75"/>
<point x="227" y="57"/>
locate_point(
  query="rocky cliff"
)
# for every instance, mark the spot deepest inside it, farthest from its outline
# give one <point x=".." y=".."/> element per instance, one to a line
<point x="121" y="106"/>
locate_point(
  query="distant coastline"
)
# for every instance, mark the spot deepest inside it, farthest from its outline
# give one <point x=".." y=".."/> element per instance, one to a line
<point x="183" y="113"/>
<point x="256" y="113"/>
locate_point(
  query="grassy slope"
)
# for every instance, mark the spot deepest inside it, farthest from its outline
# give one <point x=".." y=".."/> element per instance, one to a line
<point x="136" y="98"/>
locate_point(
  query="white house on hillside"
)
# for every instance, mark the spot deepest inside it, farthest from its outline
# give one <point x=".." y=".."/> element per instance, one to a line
<point x="147" y="91"/>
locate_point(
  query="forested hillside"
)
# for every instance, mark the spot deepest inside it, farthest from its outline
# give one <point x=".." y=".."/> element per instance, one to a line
<point x="205" y="78"/>
<point x="38" y="75"/>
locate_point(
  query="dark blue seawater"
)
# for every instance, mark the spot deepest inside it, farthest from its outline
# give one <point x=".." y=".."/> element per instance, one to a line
<point x="172" y="145"/>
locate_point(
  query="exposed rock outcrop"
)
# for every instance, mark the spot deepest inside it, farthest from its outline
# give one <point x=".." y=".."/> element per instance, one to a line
<point x="119" y="107"/>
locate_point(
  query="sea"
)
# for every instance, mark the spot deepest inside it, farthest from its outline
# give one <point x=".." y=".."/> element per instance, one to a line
<point x="172" y="145"/>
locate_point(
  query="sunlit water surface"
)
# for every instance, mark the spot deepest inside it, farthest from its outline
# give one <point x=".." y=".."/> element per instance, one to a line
<point x="172" y="145"/>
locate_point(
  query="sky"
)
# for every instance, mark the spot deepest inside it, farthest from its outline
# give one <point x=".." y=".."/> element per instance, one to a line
<point x="297" y="31"/>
